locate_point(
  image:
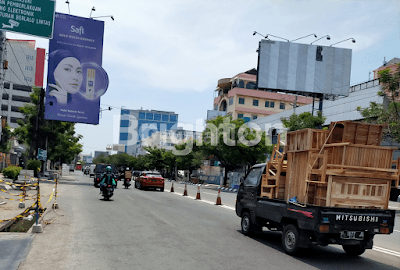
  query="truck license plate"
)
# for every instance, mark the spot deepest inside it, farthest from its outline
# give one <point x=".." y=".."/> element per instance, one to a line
<point x="352" y="235"/>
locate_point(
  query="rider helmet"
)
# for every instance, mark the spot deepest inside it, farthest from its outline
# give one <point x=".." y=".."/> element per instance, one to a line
<point x="108" y="169"/>
<point x="127" y="169"/>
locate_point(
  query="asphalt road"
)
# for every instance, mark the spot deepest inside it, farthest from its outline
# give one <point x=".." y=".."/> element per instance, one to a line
<point x="160" y="230"/>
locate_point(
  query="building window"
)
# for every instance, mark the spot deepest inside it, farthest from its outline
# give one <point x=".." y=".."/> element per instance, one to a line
<point x="241" y="84"/>
<point x="250" y="85"/>
<point x="172" y="118"/>
<point x="29" y="68"/>
<point x="246" y="119"/>
<point x="165" y="117"/>
<point x="21" y="99"/>
<point x="124" y="123"/>
<point x="282" y="106"/>
<point x="231" y="101"/>
<point x="240" y="115"/>
<point x="157" y="116"/>
<point x="149" y="116"/>
<point x="29" y="57"/>
<point x="142" y="115"/>
<point x="28" y="79"/>
<point x="15" y="109"/>
<point x="254" y="117"/>
<point x="272" y="104"/>
<point x="216" y="107"/>
<point x="255" y="102"/>
<point x="266" y="104"/>
<point x="241" y="100"/>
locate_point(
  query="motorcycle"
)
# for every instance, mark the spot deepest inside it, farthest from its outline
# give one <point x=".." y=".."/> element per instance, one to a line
<point x="127" y="182"/>
<point x="107" y="191"/>
<point x="127" y="176"/>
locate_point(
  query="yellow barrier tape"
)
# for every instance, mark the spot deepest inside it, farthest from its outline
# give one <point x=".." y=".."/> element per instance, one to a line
<point x="16" y="199"/>
<point x="51" y="196"/>
<point x="19" y="195"/>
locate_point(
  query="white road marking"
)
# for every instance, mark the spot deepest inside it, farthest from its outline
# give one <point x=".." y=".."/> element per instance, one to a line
<point x="387" y="251"/>
<point x="396" y="231"/>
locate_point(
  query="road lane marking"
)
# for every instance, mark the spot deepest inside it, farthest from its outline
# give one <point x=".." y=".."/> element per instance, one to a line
<point x="396" y="231"/>
<point x="387" y="251"/>
<point x="129" y="197"/>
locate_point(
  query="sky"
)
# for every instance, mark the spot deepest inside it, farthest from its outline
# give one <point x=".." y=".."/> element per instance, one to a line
<point x="169" y="55"/>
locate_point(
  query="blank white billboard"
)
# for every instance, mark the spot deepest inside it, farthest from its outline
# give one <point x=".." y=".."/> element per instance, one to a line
<point x="310" y="69"/>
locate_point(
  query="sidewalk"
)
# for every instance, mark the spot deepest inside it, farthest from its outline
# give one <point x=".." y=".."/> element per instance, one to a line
<point x="9" y="209"/>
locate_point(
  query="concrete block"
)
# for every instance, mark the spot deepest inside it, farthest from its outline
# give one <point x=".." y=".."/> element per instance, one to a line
<point x="37" y="228"/>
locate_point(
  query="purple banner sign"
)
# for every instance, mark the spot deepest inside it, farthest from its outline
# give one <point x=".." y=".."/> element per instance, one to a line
<point x="75" y="80"/>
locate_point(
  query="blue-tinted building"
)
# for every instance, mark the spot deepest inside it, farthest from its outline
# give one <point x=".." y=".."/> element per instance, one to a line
<point x="139" y="124"/>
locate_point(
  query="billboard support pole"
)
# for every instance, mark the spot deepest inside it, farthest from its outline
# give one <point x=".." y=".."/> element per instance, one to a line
<point x="313" y="105"/>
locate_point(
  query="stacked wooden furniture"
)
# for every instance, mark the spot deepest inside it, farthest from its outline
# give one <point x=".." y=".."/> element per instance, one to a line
<point x="344" y="166"/>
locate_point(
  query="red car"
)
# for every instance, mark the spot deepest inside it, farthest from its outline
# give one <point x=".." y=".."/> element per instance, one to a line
<point x="148" y="179"/>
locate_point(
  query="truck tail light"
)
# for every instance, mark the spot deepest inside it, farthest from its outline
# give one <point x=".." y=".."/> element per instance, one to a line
<point x="384" y="230"/>
<point x="324" y="228"/>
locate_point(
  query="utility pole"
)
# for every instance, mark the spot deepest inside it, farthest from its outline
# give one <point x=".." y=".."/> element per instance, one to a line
<point x="2" y="75"/>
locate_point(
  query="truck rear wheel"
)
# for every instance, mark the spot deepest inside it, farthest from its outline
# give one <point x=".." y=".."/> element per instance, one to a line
<point x="354" y="250"/>
<point x="290" y="239"/>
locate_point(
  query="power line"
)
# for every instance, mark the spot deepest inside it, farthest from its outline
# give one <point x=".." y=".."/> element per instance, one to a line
<point x="16" y="58"/>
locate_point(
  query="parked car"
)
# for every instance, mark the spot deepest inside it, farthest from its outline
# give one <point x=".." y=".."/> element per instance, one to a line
<point x="149" y="179"/>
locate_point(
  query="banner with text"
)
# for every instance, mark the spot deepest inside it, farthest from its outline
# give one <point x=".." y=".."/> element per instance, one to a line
<point x="32" y="17"/>
<point x="75" y="80"/>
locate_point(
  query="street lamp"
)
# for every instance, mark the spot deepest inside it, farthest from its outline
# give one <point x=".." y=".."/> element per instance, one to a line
<point x="352" y="40"/>
<point x="93" y="9"/>
<point x="327" y="37"/>
<point x="304" y="37"/>
<point x="67" y="2"/>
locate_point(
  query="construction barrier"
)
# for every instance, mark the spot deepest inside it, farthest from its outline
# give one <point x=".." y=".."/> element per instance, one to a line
<point x="218" y="198"/>
<point x="198" y="193"/>
<point x="185" y="191"/>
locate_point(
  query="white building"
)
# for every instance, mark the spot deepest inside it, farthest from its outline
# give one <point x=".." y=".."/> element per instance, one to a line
<point x="23" y="67"/>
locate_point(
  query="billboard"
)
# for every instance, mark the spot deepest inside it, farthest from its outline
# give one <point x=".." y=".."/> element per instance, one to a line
<point x="75" y="80"/>
<point x="31" y="17"/>
<point x="303" y="68"/>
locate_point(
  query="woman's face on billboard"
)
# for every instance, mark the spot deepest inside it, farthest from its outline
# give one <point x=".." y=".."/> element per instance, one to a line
<point x="68" y="75"/>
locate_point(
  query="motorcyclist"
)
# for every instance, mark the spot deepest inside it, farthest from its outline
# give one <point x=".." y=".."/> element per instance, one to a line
<point x="107" y="178"/>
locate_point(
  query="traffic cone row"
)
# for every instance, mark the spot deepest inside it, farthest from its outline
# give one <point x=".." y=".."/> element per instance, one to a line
<point x="185" y="191"/>
<point x="198" y="193"/>
<point x="219" y="198"/>
<point x="172" y="187"/>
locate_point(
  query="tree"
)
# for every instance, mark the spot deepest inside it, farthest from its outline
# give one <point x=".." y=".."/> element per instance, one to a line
<point x="191" y="161"/>
<point x="388" y="112"/>
<point x="169" y="161"/>
<point x="100" y="159"/>
<point x="60" y="137"/>
<point x="155" y="158"/>
<point x="5" y="144"/>
<point x="303" y="120"/>
<point x="234" y="143"/>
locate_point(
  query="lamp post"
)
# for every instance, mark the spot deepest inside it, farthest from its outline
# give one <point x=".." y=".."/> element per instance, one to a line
<point x="352" y="40"/>
<point x="67" y="2"/>
<point x="327" y="37"/>
<point x="276" y="37"/>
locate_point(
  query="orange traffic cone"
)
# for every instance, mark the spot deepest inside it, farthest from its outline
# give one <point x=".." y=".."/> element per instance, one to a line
<point x="172" y="187"/>
<point x="185" y="191"/>
<point x="219" y="198"/>
<point x="198" y="193"/>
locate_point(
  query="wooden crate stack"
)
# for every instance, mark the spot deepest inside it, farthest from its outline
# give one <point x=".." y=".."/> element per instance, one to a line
<point x="344" y="166"/>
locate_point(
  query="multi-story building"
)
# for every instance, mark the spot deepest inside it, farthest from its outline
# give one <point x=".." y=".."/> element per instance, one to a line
<point x="239" y="98"/>
<point x="166" y="140"/>
<point x="137" y="125"/>
<point x="24" y="68"/>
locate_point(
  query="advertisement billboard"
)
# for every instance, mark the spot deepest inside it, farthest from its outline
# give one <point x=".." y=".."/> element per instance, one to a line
<point x="303" y="68"/>
<point x="33" y="17"/>
<point x="75" y="80"/>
